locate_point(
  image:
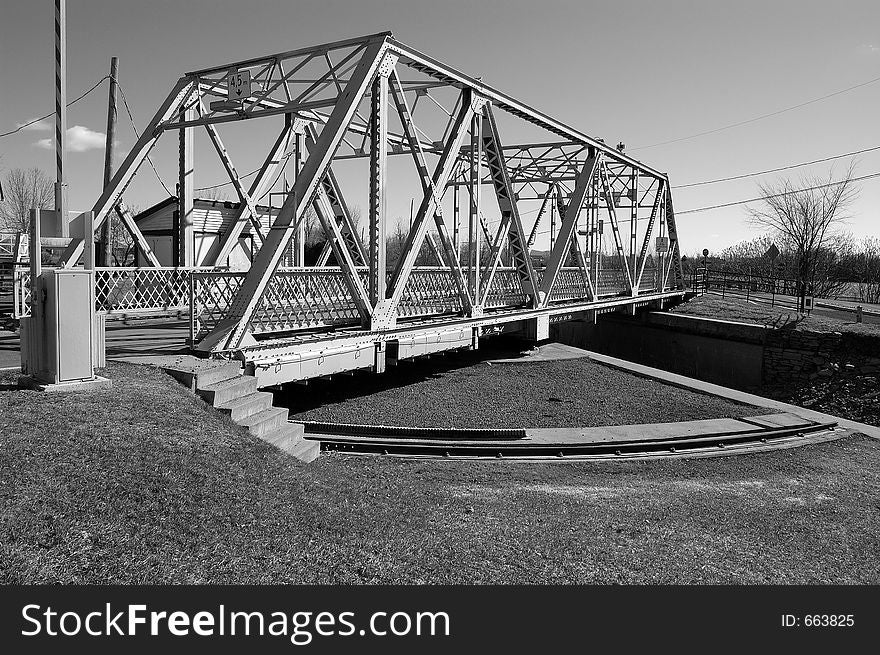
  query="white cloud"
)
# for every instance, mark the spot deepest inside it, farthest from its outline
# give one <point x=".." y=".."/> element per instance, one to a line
<point x="79" y="139"/>
<point x="43" y="125"/>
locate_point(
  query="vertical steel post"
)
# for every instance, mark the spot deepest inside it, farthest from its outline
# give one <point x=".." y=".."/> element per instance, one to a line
<point x="633" y="226"/>
<point x="299" y="236"/>
<point x="61" y="113"/>
<point x="186" y="175"/>
<point x="105" y="256"/>
<point x="456" y="223"/>
<point x="475" y="209"/>
<point x="378" y="180"/>
<point x="89" y="240"/>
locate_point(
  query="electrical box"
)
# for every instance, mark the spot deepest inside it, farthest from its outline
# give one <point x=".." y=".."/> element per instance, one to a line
<point x="61" y="341"/>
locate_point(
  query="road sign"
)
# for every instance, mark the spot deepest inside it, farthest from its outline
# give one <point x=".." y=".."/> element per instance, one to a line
<point x="772" y="251"/>
<point x="662" y="244"/>
<point x="238" y="85"/>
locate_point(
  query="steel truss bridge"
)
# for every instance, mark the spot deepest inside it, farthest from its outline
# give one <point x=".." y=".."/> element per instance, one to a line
<point x="464" y="267"/>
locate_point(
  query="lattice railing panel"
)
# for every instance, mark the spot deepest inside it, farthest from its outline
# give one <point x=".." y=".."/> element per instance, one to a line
<point x="121" y="290"/>
<point x="612" y="282"/>
<point x="506" y="290"/>
<point x="141" y="289"/>
<point x="429" y="291"/>
<point x="211" y="293"/>
<point x="304" y="298"/>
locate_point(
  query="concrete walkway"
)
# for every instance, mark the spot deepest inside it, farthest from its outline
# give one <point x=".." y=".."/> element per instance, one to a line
<point x="146" y="343"/>
<point x="547" y="352"/>
<point x="731" y="394"/>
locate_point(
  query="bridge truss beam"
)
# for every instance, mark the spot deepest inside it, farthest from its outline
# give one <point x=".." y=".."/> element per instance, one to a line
<point x="371" y="99"/>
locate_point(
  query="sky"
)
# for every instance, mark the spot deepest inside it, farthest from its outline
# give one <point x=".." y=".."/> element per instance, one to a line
<point x="643" y="73"/>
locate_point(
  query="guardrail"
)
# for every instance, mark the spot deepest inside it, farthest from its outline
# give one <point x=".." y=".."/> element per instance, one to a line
<point x="123" y="290"/>
<point x="309" y="298"/>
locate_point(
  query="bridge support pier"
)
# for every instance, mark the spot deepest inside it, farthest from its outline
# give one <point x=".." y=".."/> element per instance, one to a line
<point x="538" y="329"/>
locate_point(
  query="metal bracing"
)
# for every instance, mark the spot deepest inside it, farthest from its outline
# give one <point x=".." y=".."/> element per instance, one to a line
<point x="378" y="181"/>
<point x="468" y="108"/>
<point x="643" y="253"/>
<point x="674" y="249"/>
<point x="222" y="248"/>
<point x="112" y="193"/>
<point x="128" y="222"/>
<point x="577" y="252"/>
<point x="335" y="101"/>
<point x="567" y="229"/>
<point x="510" y="229"/>
<point x="232" y="332"/>
<point x="449" y="253"/>
<point x="331" y="190"/>
<point x="615" y="229"/>
<point x="547" y="196"/>
<point x="246" y="200"/>
<point x="475" y="214"/>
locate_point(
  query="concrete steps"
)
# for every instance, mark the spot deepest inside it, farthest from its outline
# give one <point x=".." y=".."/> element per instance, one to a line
<point x="232" y="393"/>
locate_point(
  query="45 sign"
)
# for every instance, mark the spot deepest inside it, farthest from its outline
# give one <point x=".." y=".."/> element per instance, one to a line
<point x="238" y="85"/>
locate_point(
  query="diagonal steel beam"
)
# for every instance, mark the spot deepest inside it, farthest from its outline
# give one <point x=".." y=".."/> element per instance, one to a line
<point x="534" y="233"/>
<point x="449" y="254"/>
<point x="511" y="224"/>
<point x="260" y="184"/>
<point x="569" y="222"/>
<point x="578" y="252"/>
<point x="648" y="231"/>
<point x="137" y="236"/>
<point x="344" y="259"/>
<point x="438" y="183"/>
<point x="339" y="210"/>
<point x="243" y="196"/>
<point x="674" y="247"/>
<point x="232" y="331"/>
<point x="612" y="216"/>
<point x="112" y="194"/>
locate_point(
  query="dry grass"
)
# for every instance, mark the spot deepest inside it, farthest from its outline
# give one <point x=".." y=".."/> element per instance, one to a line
<point x="734" y="309"/>
<point x="146" y="484"/>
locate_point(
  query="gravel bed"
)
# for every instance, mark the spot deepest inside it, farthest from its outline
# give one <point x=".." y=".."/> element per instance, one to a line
<point x="467" y="392"/>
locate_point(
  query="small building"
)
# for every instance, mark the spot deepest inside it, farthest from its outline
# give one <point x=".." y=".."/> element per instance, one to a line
<point x="211" y="219"/>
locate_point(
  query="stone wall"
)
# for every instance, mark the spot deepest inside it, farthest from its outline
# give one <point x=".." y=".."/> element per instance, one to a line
<point x="796" y="356"/>
<point x="733" y="354"/>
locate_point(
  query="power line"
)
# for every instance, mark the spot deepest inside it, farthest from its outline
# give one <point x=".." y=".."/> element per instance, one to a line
<point x="50" y="114"/>
<point x="137" y="134"/>
<point x="776" y="195"/>
<point x="776" y="170"/>
<point x="758" y="118"/>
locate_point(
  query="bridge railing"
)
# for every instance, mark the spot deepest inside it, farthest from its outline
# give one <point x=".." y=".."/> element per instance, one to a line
<point x="309" y="298"/>
<point x="123" y="290"/>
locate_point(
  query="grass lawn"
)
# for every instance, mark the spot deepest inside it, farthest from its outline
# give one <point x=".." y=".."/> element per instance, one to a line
<point x="734" y="309"/>
<point x="464" y="391"/>
<point x="144" y="483"/>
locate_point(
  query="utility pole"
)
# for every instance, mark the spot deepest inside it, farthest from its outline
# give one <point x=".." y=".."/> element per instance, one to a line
<point x="105" y="257"/>
<point x="61" y="114"/>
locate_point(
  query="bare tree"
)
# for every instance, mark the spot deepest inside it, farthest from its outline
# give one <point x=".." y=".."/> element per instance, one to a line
<point x="214" y="193"/>
<point x="803" y="217"/>
<point x="24" y="190"/>
<point x="868" y="270"/>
